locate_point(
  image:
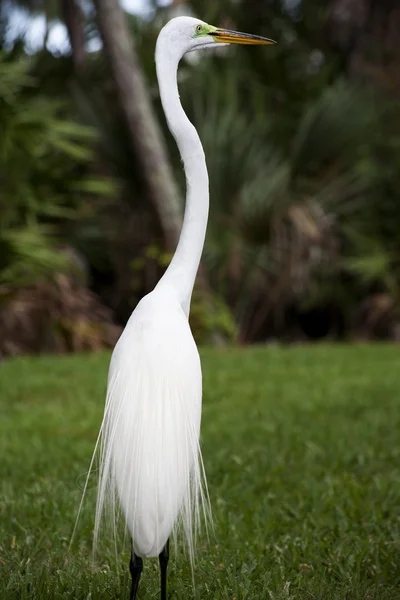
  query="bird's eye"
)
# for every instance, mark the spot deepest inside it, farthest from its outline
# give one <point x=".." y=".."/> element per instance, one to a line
<point x="198" y="28"/>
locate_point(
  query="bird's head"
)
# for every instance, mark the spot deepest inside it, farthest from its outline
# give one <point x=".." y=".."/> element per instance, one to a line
<point x="184" y="34"/>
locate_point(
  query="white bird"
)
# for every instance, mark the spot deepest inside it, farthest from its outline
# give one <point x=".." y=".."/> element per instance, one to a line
<point x="150" y="460"/>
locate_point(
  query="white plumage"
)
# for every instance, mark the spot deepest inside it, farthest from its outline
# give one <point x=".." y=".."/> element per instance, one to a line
<point x="150" y="457"/>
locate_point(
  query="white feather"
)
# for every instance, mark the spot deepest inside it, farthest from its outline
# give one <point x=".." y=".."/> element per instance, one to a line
<point x="150" y="455"/>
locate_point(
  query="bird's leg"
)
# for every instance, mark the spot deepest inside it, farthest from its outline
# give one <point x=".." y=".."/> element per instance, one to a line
<point x="136" y="568"/>
<point x="164" y="558"/>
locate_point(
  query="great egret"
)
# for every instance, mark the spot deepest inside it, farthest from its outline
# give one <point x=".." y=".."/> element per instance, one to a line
<point x="150" y="461"/>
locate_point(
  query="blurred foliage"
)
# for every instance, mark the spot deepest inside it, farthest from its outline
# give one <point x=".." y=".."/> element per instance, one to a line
<point x="302" y="146"/>
<point x="211" y="320"/>
<point x="45" y="171"/>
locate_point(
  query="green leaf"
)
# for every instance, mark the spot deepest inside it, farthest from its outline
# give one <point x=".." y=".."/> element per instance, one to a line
<point x="101" y="187"/>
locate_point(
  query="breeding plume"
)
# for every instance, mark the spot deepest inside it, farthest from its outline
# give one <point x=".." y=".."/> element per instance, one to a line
<point x="150" y="462"/>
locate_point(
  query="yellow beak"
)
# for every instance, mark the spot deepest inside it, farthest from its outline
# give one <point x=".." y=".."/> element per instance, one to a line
<point x="226" y="36"/>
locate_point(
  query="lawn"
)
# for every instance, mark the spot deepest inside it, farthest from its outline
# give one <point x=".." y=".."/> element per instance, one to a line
<point x="302" y="451"/>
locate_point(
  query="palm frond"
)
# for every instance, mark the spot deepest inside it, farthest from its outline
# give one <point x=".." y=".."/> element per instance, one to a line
<point x="332" y="128"/>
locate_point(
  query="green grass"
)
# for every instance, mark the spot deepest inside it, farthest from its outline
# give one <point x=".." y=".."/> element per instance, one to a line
<point x="302" y="451"/>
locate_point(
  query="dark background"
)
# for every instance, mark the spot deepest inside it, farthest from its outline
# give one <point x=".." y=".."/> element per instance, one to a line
<point x="303" y="149"/>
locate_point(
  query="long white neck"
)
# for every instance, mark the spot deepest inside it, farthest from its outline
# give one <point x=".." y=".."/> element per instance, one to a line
<point x="182" y="270"/>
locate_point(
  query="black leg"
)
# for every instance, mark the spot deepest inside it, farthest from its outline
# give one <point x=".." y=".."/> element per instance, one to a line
<point x="136" y="568"/>
<point x="164" y="558"/>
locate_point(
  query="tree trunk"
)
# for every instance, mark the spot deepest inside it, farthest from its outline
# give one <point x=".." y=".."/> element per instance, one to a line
<point x="73" y="19"/>
<point x="136" y="105"/>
